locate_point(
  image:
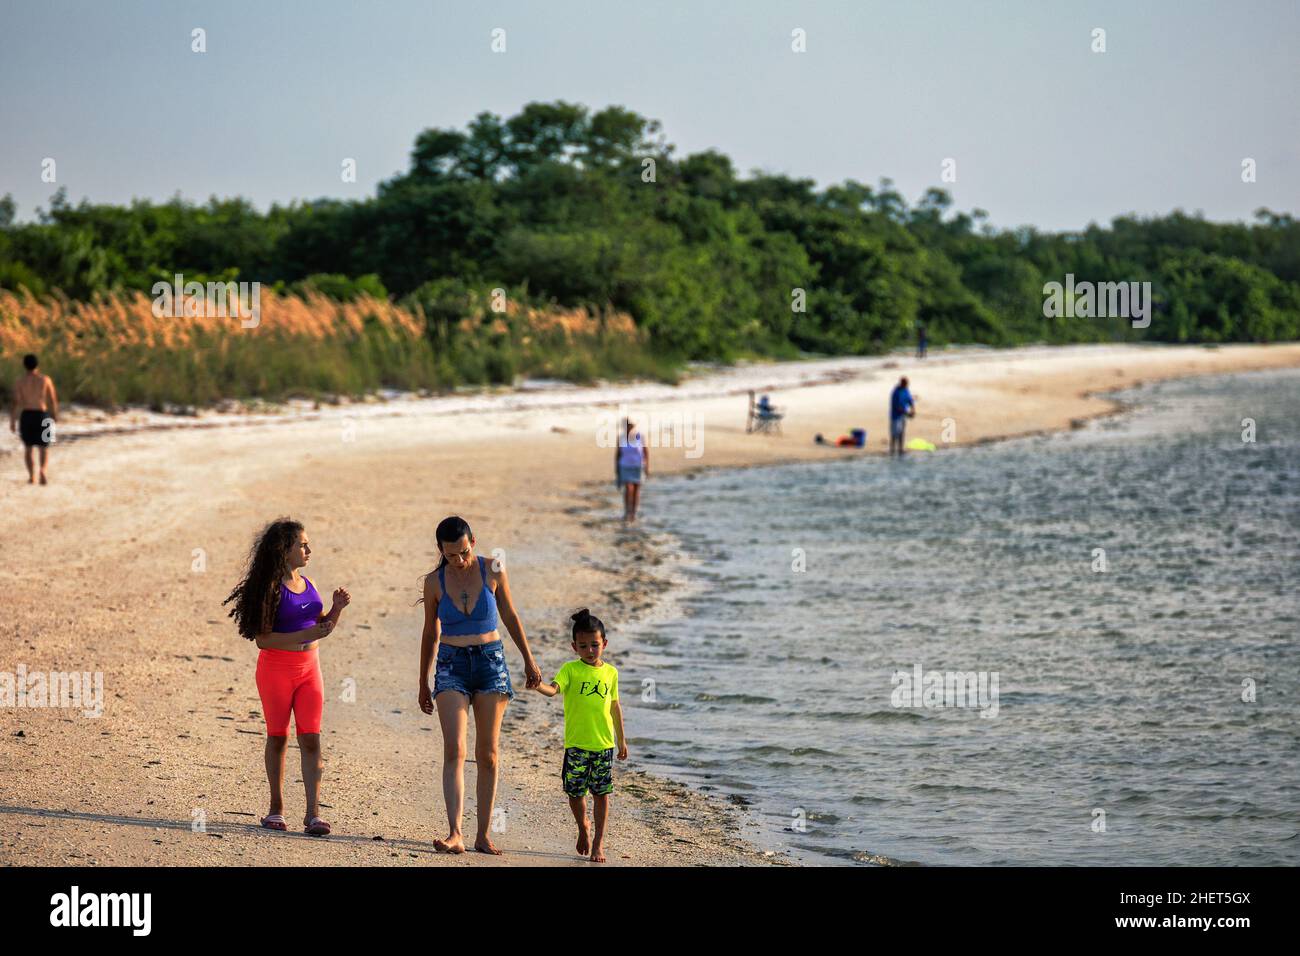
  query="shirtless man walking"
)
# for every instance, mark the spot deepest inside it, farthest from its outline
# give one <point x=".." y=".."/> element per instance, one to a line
<point x="36" y="406"/>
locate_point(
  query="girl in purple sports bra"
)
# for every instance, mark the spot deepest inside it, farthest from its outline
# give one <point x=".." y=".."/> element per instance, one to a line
<point x="279" y="607"/>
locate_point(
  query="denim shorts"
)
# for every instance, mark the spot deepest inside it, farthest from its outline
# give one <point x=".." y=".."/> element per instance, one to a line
<point x="480" y="668"/>
<point x="896" y="426"/>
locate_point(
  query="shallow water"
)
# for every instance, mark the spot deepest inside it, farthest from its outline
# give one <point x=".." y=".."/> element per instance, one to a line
<point x="1118" y="694"/>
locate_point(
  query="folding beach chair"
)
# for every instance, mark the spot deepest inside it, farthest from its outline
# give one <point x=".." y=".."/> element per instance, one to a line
<point x="763" y="418"/>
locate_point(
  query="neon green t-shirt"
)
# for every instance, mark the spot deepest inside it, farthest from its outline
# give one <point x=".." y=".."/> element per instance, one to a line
<point x="588" y="693"/>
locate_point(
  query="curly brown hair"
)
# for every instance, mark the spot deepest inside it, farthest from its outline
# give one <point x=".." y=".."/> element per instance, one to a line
<point x="257" y="596"/>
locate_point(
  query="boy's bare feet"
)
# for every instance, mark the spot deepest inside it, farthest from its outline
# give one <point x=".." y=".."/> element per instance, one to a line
<point x="43" y="479"/>
<point x="454" y="843"/>
<point x="597" y="853"/>
<point x="584" y="841"/>
<point x="484" y="845"/>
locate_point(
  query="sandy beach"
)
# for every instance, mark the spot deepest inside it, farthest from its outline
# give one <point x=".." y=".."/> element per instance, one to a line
<point x="120" y="565"/>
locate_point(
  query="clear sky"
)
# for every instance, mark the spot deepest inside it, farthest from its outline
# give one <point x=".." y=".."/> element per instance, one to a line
<point x="1043" y="130"/>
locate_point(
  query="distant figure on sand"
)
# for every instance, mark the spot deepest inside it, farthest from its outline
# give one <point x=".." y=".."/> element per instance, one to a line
<point x="593" y="726"/>
<point x="35" y="409"/>
<point x="464" y="597"/>
<point x="631" y="467"/>
<point x="901" y="408"/>
<point x="921" y="340"/>
<point x="279" y="608"/>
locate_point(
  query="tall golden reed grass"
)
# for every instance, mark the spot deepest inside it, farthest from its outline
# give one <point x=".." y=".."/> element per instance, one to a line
<point x="58" y="325"/>
<point x="115" y="349"/>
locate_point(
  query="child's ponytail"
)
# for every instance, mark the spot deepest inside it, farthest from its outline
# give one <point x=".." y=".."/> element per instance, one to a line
<point x="585" y="622"/>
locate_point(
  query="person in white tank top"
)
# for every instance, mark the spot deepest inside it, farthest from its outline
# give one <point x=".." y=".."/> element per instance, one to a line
<point x="631" y="467"/>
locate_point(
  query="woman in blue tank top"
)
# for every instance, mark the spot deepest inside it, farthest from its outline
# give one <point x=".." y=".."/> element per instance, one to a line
<point x="465" y="598"/>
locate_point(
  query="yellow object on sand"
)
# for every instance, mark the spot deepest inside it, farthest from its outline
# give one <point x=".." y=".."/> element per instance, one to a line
<point x="920" y="444"/>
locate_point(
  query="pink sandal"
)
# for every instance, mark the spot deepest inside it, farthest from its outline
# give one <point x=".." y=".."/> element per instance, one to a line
<point x="274" y="821"/>
<point x="317" y="827"/>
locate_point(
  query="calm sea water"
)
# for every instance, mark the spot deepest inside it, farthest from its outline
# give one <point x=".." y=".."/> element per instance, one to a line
<point x="1119" y="692"/>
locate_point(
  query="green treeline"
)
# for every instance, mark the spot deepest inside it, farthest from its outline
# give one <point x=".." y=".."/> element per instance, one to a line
<point x="562" y="205"/>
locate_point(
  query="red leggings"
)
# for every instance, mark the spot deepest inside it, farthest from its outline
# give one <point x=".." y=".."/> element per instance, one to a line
<point x="290" y="681"/>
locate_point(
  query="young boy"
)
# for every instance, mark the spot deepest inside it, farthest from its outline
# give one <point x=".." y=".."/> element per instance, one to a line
<point x="593" y="723"/>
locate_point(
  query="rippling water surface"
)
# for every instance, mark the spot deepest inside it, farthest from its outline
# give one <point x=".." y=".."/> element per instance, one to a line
<point x="1119" y="693"/>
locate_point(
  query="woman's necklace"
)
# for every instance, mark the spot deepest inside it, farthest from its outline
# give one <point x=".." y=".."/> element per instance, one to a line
<point x="464" y="601"/>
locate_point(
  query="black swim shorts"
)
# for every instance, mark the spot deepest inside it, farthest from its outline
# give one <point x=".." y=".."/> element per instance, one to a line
<point x="36" y="427"/>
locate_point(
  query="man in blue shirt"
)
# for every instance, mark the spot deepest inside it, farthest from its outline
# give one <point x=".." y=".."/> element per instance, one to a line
<point x="901" y="408"/>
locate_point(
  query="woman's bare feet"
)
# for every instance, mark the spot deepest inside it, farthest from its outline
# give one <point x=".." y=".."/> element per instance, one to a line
<point x="454" y="843"/>
<point x="597" y="853"/>
<point x="584" y="841"/>
<point x="484" y="845"/>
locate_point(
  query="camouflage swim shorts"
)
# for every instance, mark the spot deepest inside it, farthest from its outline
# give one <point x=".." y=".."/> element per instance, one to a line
<point x="587" y="769"/>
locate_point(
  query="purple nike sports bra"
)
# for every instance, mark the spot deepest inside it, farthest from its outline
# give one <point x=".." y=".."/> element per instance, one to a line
<point x="297" y="612"/>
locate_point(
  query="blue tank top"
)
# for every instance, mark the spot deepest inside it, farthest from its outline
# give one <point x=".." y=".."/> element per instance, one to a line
<point x="482" y="620"/>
